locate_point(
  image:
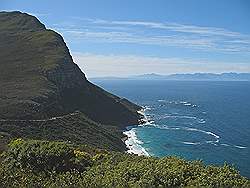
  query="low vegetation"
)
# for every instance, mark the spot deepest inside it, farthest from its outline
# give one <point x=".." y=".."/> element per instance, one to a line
<point x="74" y="128"/>
<point x="33" y="163"/>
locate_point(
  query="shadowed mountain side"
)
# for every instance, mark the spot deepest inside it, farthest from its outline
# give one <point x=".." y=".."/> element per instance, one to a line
<point x="40" y="80"/>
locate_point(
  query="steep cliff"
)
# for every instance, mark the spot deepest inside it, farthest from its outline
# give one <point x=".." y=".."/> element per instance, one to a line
<point x="40" y="80"/>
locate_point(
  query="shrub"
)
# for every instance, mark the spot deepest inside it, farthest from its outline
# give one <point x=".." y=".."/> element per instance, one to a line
<point x="33" y="163"/>
<point x="44" y="156"/>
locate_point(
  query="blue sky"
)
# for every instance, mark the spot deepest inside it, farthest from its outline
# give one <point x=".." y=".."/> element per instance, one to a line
<point x="121" y="38"/>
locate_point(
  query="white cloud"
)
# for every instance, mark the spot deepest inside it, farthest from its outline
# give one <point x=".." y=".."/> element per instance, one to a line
<point x="159" y="34"/>
<point x="173" y="27"/>
<point x="124" y="37"/>
<point x="95" y="65"/>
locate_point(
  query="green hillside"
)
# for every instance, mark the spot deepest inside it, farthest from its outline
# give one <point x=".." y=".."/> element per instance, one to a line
<point x="73" y="128"/>
<point x="40" y="80"/>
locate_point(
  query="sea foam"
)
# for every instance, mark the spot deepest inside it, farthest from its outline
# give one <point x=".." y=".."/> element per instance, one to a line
<point x="145" y="119"/>
<point x="134" y="144"/>
<point x="236" y="146"/>
<point x="192" y="143"/>
<point x="240" y="147"/>
<point x="217" y="137"/>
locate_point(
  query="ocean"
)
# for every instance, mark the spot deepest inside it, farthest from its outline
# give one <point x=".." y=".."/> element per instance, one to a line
<point x="195" y="120"/>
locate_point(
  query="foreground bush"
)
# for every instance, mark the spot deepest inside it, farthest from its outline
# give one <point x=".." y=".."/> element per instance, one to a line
<point x="44" y="156"/>
<point x="57" y="164"/>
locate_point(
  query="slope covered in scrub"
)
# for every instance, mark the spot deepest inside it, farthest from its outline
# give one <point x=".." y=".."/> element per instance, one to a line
<point x="57" y="164"/>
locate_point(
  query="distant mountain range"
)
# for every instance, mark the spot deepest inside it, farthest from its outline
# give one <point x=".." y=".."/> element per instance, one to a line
<point x="195" y="77"/>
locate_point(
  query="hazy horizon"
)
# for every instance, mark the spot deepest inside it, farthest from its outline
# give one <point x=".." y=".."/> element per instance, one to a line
<point x="156" y="74"/>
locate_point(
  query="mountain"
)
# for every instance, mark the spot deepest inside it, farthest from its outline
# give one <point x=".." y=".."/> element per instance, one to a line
<point x="196" y="76"/>
<point x="40" y="80"/>
<point x="44" y="94"/>
<point x="211" y="76"/>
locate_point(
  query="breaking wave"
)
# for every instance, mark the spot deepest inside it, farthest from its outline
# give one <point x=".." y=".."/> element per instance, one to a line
<point x="217" y="137"/>
<point x="184" y="103"/>
<point x="133" y="144"/>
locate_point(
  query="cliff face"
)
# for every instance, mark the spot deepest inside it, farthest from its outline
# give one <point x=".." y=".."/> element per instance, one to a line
<point x="40" y="80"/>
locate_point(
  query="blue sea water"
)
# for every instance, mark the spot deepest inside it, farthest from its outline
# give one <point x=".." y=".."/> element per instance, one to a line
<point x="207" y="120"/>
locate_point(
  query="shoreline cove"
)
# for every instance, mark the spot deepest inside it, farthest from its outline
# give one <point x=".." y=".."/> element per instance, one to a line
<point x="133" y="144"/>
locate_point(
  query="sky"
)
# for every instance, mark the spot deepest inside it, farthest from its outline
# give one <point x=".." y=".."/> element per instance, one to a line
<point x="131" y="37"/>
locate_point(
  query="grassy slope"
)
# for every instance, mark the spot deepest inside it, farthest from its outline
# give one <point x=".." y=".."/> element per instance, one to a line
<point x="41" y="80"/>
<point x="74" y="128"/>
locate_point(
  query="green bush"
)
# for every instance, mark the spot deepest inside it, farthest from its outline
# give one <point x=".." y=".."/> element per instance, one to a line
<point x="32" y="163"/>
<point x="38" y="156"/>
